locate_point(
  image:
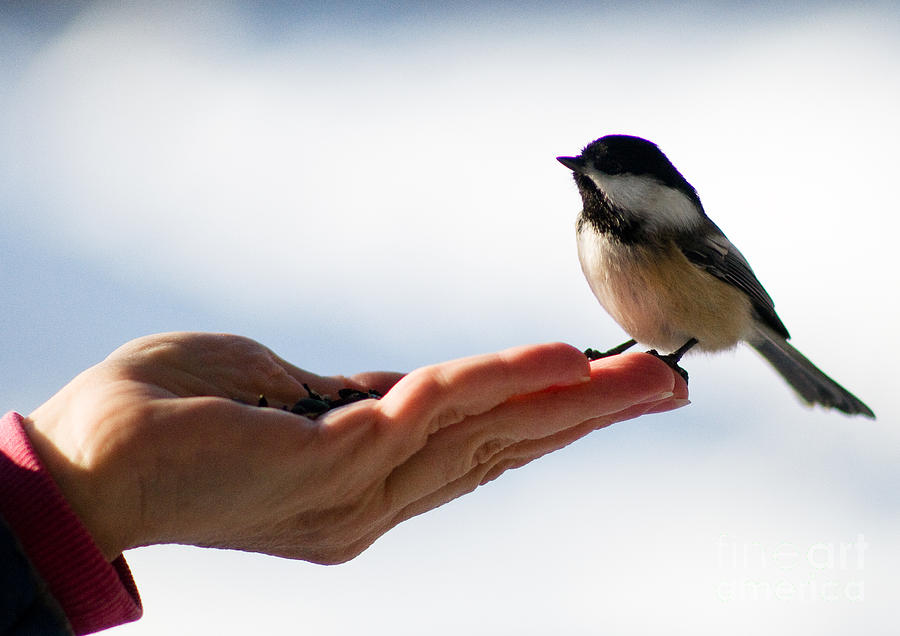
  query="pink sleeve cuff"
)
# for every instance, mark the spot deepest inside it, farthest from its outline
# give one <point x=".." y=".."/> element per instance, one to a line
<point x="94" y="593"/>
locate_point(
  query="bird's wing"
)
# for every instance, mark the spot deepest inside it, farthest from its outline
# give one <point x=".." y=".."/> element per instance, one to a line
<point x="712" y="251"/>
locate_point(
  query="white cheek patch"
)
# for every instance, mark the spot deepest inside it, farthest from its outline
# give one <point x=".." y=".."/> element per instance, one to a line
<point x="655" y="204"/>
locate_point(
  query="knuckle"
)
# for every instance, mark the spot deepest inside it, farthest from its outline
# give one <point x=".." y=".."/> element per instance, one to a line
<point x="488" y="450"/>
<point x="499" y="468"/>
<point x="448" y="416"/>
<point x="429" y="383"/>
<point x="430" y="388"/>
<point x="485" y="451"/>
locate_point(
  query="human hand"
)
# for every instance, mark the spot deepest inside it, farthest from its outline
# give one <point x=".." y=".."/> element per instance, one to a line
<point x="152" y="445"/>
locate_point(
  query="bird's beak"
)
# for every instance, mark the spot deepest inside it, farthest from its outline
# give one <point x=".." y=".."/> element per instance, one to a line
<point x="575" y="164"/>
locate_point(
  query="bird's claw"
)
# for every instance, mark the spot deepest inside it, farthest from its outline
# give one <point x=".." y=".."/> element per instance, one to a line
<point x="594" y="354"/>
<point x="672" y="361"/>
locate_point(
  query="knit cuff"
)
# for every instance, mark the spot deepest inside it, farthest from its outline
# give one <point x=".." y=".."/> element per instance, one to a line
<point x="94" y="593"/>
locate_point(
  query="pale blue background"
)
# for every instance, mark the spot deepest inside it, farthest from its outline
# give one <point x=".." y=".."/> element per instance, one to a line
<point x="365" y="186"/>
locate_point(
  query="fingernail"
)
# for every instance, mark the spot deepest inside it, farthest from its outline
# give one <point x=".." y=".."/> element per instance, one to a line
<point x="668" y="405"/>
<point x="576" y="382"/>
<point x="656" y="397"/>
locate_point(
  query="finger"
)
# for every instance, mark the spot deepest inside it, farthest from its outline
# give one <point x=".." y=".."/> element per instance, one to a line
<point x="381" y="381"/>
<point x="513" y="457"/>
<point x="433" y="397"/>
<point x="398" y="425"/>
<point x="617" y="384"/>
<point x="523" y="453"/>
<point x="196" y="364"/>
<point x="323" y="384"/>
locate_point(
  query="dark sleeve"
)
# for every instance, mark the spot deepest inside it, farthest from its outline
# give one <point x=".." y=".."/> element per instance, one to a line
<point x="26" y="605"/>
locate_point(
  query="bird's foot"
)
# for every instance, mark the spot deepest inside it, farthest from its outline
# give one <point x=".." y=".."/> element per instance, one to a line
<point x="594" y="354"/>
<point x="674" y="358"/>
<point x="672" y="361"/>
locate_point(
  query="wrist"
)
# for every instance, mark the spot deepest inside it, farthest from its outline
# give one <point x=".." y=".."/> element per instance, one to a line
<point x="73" y="459"/>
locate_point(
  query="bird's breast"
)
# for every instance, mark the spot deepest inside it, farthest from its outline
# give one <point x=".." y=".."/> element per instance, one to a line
<point x="659" y="297"/>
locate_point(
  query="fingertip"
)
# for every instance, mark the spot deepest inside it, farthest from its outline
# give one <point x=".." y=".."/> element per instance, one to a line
<point x="646" y="370"/>
<point x="575" y="358"/>
<point x="668" y="405"/>
<point x="468" y="386"/>
<point x="572" y="360"/>
<point x="681" y="388"/>
<point x="562" y="363"/>
<point x="664" y="373"/>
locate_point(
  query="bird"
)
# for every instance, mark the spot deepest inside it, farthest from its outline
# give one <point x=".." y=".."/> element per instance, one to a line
<point x="669" y="276"/>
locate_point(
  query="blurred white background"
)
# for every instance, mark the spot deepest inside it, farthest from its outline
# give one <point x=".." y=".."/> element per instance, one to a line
<point x="362" y="186"/>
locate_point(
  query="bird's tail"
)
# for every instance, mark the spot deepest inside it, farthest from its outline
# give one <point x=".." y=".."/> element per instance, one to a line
<point x="810" y="383"/>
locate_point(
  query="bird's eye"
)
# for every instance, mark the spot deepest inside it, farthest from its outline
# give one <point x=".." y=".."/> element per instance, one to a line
<point x="610" y="166"/>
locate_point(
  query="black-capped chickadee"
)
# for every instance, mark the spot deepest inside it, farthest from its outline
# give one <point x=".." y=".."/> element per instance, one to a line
<point x="669" y="276"/>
